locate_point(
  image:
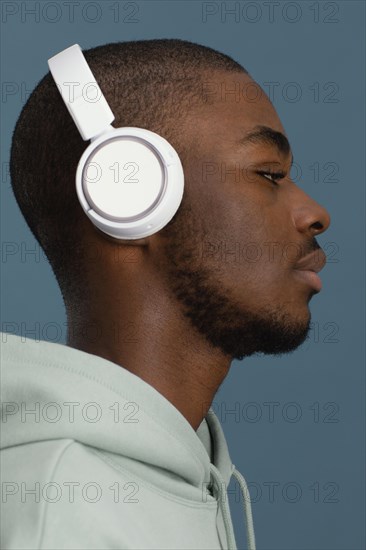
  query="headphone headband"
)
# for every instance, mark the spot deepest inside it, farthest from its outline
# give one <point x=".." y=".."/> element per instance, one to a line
<point x="80" y="92"/>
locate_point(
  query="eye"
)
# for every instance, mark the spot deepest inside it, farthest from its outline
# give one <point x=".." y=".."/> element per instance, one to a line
<point x="273" y="176"/>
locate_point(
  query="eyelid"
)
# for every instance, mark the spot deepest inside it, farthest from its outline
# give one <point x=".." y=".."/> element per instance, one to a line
<point x="279" y="175"/>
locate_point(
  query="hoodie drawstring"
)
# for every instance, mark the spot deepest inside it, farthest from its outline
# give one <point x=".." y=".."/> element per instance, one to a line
<point x="247" y="509"/>
<point x="224" y="504"/>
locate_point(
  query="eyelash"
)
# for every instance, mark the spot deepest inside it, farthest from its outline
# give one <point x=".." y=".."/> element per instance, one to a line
<point x="275" y="175"/>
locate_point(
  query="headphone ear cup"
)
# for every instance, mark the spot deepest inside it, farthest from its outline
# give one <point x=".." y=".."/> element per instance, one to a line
<point x="130" y="182"/>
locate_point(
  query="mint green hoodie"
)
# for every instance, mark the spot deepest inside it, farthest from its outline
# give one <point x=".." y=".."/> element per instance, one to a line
<point x="93" y="457"/>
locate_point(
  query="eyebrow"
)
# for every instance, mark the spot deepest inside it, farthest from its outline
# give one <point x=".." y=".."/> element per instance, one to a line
<point x="268" y="136"/>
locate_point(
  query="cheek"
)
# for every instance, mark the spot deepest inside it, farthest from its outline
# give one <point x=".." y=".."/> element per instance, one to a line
<point x="232" y="223"/>
<point x="233" y="235"/>
<point x="237" y="253"/>
<point x="226" y="213"/>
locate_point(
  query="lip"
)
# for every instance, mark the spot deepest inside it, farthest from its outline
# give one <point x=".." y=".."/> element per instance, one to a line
<point x="312" y="262"/>
<point x="308" y="267"/>
<point x="309" y="277"/>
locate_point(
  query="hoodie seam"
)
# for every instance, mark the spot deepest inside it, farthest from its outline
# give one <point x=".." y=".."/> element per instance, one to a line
<point x="112" y="389"/>
<point x="46" y="507"/>
<point x="181" y="500"/>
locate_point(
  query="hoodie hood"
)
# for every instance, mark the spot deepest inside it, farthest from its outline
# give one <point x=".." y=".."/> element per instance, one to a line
<point x="52" y="391"/>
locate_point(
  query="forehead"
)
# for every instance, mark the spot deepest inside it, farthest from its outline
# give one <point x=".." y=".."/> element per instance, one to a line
<point x="231" y="106"/>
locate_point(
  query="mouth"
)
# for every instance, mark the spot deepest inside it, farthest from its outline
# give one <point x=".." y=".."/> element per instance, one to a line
<point x="312" y="262"/>
<point x="309" y="277"/>
<point x="308" y="267"/>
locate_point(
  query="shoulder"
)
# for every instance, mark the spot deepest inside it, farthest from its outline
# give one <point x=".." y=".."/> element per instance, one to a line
<point x="63" y="496"/>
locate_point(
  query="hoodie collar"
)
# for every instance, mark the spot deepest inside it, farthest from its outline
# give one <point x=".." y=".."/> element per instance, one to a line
<point x="83" y="387"/>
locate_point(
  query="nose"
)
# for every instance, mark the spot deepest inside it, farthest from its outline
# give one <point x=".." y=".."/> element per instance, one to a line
<point x="309" y="216"/>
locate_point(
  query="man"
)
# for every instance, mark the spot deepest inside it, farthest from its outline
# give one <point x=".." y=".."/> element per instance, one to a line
<point x="110" y="442"/>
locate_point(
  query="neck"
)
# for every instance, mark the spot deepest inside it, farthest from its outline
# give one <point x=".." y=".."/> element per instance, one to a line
<point x="160" y="346"/>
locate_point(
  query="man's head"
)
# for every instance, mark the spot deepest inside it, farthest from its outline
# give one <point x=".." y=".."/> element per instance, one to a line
<point x="226" y="259"/>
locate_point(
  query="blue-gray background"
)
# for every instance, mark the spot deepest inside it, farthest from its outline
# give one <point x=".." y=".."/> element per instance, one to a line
<point x="298" y="431"/>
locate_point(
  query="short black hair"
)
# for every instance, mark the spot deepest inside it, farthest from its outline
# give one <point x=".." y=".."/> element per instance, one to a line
<point x="149" y="84"/>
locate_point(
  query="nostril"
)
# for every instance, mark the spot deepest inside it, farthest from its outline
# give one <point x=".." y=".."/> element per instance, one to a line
<point x="317" y="225"/>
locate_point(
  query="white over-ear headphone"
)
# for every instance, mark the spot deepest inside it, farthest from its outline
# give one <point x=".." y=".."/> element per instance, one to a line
<point x="129" y="180"/>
